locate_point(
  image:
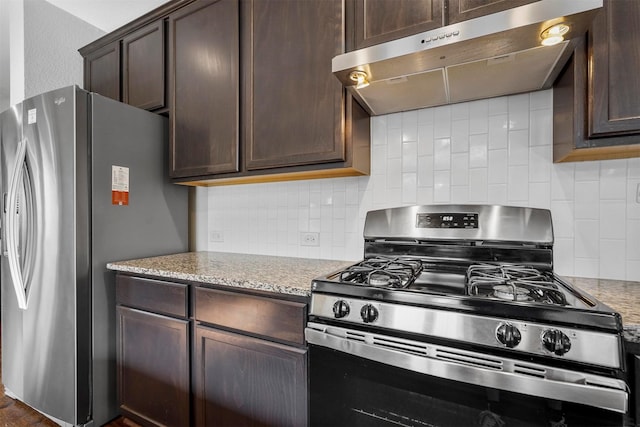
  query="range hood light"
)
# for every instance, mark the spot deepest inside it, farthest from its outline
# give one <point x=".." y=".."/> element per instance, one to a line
<point x="554" y="35"/>
<point x="360" y="78"/>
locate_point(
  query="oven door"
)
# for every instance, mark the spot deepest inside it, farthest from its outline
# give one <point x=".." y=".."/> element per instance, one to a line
<point x="365" y="379"/>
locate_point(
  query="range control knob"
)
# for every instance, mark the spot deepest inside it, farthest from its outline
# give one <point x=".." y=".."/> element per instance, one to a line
<point x="369" y="313"/>
<point x="556" y="341"/>
<point x="340" y="309"/>
<point x="508" y="335"/>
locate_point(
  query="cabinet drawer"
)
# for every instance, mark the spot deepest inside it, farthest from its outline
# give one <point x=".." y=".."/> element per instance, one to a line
<point x="152" y="295"/>
<point x="278" y="319"/>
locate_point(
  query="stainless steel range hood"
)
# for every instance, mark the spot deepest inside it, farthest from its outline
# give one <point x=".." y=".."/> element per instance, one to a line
<point x="494" y="55"/>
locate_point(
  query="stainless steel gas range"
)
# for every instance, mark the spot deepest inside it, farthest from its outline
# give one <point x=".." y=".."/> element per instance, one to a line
<point x="456" y="317"/>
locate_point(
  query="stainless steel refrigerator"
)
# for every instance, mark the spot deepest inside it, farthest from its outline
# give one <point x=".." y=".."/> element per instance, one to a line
<point x="84" y="182"/>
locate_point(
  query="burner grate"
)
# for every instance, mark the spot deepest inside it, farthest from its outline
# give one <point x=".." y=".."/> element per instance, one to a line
<point x="383" y="272"/>
<point x="514" y="283"/>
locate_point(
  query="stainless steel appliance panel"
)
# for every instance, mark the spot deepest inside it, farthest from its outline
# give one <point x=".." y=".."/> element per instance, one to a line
<point x="60" y="229"/>
<point x="12" y="361"/>
<point x="154" y="222"/>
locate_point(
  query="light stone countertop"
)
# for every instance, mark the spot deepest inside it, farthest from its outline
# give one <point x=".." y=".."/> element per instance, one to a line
<point x="622" y="296"/>
<point x="293" y="276"/>
<point x="282" y="275"/>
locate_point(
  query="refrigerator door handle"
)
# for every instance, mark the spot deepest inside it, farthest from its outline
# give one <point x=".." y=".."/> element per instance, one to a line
<point x="13" y="226"/>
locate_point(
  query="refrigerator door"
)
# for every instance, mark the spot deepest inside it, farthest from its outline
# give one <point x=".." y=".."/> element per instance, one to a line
<point x="52" y="241"/>
<point x="154" y="221"/>
<point x="12" y="325"/>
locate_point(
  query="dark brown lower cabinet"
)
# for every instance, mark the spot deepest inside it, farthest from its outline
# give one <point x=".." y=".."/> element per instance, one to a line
<point x="153" y="351"/>
<point x="154" y="368"/>
<point x="244" y="381"/>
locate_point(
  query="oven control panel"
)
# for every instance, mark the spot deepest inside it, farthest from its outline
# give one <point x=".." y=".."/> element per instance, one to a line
<point x="519" y="336"/>
<point x="447" y="220"/>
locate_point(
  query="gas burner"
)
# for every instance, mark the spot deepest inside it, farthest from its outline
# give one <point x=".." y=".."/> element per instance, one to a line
<point x="383" y="272"/>
<point x="514" y="283"/>
<point x="511" y="292"/>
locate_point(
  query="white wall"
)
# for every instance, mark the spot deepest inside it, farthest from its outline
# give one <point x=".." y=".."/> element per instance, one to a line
<point x="52" y="38"/>
<point x="41" y="43"/>
<point x="494" y="151"/>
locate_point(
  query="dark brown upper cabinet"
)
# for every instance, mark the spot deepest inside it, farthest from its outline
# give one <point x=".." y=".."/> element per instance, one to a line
<point x="102" y="70"/>
<point x="596" y="112"/>
<point x="463" y="10"/>
<point x="204" y="84"/>
<point x="615" y="61"/>
<point x="294" y="108"/>
<point x="378" y="21"/>
<point x="143" y="67"/>
<point x="248" y="88"/>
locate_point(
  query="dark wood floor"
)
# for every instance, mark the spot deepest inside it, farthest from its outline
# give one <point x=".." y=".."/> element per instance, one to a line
<point x="16" y="414"/>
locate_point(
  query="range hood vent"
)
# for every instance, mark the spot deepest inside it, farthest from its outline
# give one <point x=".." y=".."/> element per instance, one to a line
<point x="494" y="55"/>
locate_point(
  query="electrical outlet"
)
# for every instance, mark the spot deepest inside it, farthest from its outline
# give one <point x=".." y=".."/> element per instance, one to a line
<point x="216" y="236"/>
<point x="309" y="239"/>
<point x="638" y="193"/>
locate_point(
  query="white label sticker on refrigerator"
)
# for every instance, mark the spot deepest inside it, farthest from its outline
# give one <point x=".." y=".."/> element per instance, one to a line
<point x="31" y="116"/>
<point x="119" y="185"/>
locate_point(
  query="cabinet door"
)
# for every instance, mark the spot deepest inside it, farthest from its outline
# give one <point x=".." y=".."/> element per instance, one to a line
<point x="143" y="67"/>
<point x="294" y="105"/>
<point x="462" y="10"/>
<point x="153" y="367"/>
<point x="102" y="71"/>
<point x="615" y="65"/>
<point x="378" y="21"/>
<point x="244" y="381"/>
<point x="204" y="66"/>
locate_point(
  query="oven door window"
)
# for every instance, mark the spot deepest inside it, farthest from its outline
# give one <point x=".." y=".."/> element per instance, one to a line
<point x="352" y="391"/>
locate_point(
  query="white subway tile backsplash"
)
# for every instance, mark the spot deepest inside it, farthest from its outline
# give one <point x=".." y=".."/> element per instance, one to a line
<point x="425" y="140"/>
<point x="518" y="112"/>
<point x="563" y="259"/>
<point x="612" y="259"/>
<point x="442" y="154"/>
<point x="394" y="143"/>
<point x="518" y="144"/>
<point x="633" y="270"/>
<point x="478" y="150"/>
<point x="479" y="117"/>
<point x="409" y="188"/>
<point x="540" y="160"/>
<point x="442" y="122"/>
<point x="562" y="215"/>
<point x="460" y="111"/>
<point x="460" y="136"/>
<point x="425" y="171"/>
<point x="478" y="185"/>
<point x="496" y="151"/>
<point x="409" y="156"/>
<point x="498" y="166"/>
<point x="410" y="126"/>
<point x="587" y="238"/>
<point x="540" y="195"/>
<point x="562" y="181"/>
<point x="442" y="186"/>
<point x="542" y="99"/>
<point x="518" y="185"/>
<point x="613" y="180"/>
<point x="498" y="131"/>
<point x="633" y="240"/>
<point x="497" y="194"/>
<point x="541" y="127"/>
<point x="587" y="171"/>
<point x="613" y="223"/>
<point x="499" y="105"/>
<point x="460" y="169"/>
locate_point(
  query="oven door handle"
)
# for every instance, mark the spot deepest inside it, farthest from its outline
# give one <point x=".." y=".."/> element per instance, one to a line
<point x="475" y="368"/>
